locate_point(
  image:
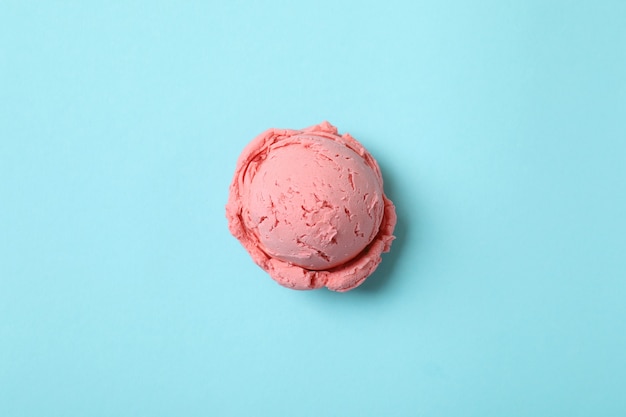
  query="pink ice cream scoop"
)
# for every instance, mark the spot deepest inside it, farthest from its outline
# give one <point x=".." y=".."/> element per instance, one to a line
<point x="309" y="207"/>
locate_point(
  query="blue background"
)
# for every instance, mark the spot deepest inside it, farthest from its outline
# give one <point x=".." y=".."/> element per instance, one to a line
<point x="500" y="127"/>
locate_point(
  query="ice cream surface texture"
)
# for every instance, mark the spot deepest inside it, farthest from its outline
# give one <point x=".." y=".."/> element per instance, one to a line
<point x="309" y="207"/>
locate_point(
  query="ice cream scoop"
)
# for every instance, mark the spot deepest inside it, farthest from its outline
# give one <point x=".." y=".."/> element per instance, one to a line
<point x="309" y="207"/>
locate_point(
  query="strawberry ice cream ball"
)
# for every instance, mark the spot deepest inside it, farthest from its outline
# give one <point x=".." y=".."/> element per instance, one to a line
<point x="309" y="207"/>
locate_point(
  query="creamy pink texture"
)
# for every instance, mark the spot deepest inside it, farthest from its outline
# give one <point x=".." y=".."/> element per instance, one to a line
<point x="309" y="207"/>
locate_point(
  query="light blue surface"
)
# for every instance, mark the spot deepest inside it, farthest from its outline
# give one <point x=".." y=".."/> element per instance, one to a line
<point x="501" y="131"/>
